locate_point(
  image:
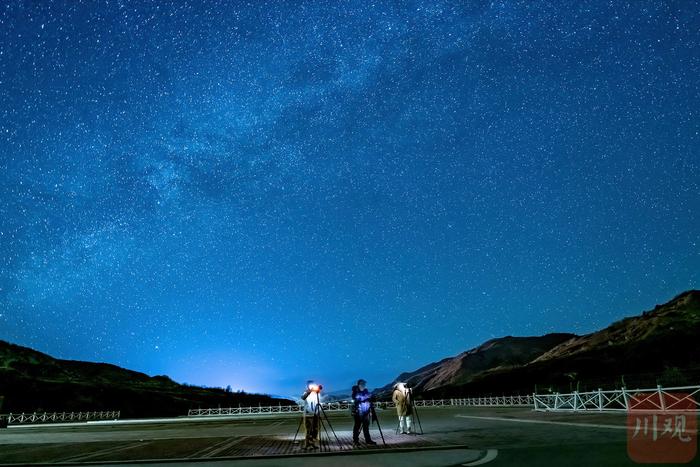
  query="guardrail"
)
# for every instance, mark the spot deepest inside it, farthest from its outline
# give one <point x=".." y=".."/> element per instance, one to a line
<point x="56" y="417"/>
<point x="619" y="400"/>
<point x="502" y="401"/>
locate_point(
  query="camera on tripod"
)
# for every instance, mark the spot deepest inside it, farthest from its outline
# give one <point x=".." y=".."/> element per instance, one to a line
<point x="314" y="419"/>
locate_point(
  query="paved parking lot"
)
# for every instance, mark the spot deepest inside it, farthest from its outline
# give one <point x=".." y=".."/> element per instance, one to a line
<point x="453" y="436"/>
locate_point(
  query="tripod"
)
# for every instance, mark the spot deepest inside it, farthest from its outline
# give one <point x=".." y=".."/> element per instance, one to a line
<point x="376" y="419"/>
<point x="320" y="415"/>
<point x="413" y="410"/>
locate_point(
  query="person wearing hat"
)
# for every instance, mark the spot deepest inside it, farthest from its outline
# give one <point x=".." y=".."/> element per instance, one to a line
<point x="362" y="405"/>
<point x="404" y="407"/>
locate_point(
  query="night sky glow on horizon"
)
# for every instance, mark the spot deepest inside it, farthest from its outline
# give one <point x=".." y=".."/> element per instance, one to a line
<point x="217" y="191"/>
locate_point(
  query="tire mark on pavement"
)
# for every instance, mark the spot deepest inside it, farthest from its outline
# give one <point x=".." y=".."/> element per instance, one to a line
<point x="491" y="454"/>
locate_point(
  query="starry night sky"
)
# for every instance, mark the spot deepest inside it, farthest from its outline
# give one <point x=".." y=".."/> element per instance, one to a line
<point x="259" y="193"/>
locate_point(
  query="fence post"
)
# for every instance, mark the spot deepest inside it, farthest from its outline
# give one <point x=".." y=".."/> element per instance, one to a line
<point x="661" y="397"/>
<point x="600" y="400"/>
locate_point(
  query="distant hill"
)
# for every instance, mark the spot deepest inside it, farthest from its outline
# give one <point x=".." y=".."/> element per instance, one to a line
<point x="660" y="346"/>
<point x="679" y="318"/>
<point x="33" y="381"/>
<point x="503" y="353"/>
<point x="337" y="395"/>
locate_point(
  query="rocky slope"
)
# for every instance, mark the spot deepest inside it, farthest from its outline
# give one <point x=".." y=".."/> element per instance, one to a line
<point x="657" y="347"/>
<point x="501" y="353"/>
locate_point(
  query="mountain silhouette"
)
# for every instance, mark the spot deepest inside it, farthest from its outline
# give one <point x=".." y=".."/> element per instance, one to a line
<point x="33" y="381"/>
<point x="657" y="347"/>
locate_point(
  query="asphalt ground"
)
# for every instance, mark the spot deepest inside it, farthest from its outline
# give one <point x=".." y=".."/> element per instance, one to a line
<point x="453" y="436"/>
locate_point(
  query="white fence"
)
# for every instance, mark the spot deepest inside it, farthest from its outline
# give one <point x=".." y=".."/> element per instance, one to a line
<point x="621" y="400"/>
<point x="682" y="398"/>
<point x="502" y="401"/>
<point x="57" y="417"/>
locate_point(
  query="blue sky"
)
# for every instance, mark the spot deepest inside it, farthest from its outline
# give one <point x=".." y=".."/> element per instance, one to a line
<point x="259" y="193"/>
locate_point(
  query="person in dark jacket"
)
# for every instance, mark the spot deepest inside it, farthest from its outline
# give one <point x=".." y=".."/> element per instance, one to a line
<point x="362" y="412"/>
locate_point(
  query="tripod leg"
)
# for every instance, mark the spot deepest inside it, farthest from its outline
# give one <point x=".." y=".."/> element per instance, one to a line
<point x="322" y="429"/>
<point x="301" y="420"/>
<point x="379" y="427"/>
<point x="323" y="412"/>
<point x="415" y="412"/>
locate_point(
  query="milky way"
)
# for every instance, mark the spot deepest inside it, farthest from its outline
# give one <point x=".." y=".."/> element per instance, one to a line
<point x="259" y="193"/>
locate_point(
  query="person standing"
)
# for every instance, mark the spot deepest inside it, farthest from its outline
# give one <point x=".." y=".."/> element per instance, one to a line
<point x="362" y="412"/>
<point x="312" y="415"/>
<point x="404" y="407"/>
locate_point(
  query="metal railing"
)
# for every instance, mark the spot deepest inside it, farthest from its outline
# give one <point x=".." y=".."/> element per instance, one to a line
<point x="502" y="401"/>
<point x="57" y="417"/>
<point x="620" y="400"/>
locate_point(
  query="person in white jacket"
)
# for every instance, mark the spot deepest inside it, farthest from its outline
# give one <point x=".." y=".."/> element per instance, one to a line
<point x="404" y="407"/>
<point x="312" y="414"/>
